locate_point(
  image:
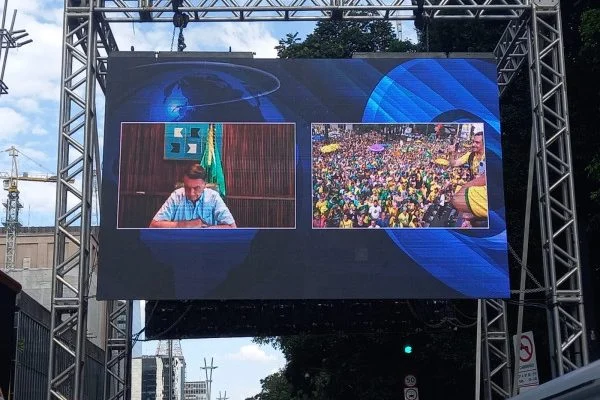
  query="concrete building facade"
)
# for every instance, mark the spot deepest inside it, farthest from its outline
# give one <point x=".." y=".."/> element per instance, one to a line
<point x="151" y="378"/>
<point x="195" y="390"/>
<point x="33" y="270"/>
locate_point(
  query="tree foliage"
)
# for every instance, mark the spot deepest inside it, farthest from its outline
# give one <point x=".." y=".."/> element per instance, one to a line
<point x="341" y="39"/>
<point x="373" y="366"/>
<point x="590" y="58"/>
<point x="274" y="387"/>
<point x="460" y="36"/>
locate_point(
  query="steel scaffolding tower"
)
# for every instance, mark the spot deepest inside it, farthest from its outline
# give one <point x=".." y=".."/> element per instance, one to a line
<point x="534" y="33"/>
<point x="118" y="350"/>
<point x="556" y="192"/>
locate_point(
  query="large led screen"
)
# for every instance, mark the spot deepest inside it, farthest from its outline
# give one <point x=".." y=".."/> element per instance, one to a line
<point x="301" y="179"/>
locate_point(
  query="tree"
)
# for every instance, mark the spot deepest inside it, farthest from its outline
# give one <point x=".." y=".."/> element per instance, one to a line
<point x="341" y="39"/>
<point x="460" y="36"/>
<point x="590" y="57"/>
<point x="274" y="387"/>
<point x="373" y="366"/>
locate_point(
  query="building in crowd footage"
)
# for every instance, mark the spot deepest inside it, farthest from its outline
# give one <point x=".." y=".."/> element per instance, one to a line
<point x="399" y="176"/>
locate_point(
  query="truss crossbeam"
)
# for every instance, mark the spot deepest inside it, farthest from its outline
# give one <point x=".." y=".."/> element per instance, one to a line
<point x="511" y="50"/>
<point x="304" y="10"/>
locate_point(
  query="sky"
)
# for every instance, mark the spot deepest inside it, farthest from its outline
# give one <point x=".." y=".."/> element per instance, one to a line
<point x="29" y="121"/>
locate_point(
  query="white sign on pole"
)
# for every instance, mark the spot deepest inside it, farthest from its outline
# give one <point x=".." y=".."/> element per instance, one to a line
<point x="411" y="393"/>
<point x="410" y="380"/>
<point x="528" y="372"/>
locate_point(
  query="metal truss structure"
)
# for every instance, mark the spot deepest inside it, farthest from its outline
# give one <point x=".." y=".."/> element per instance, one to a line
<point x="10" y="38"/>
<point x="118" y="350"/>
<point x="556" y="192"/>
<point x="533" y="33"/>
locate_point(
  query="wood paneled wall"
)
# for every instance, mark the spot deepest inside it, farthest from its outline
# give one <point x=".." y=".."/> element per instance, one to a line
<point x="258" y="162"/>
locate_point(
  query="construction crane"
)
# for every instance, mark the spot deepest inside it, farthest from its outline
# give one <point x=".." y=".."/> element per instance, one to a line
<point x="13" y="205"/>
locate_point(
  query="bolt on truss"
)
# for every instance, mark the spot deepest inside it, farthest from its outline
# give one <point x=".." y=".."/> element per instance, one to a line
<point x="534" y="31"/>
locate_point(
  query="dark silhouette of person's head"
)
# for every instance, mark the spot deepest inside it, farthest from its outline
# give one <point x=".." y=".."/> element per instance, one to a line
<point x="195" y="171"/>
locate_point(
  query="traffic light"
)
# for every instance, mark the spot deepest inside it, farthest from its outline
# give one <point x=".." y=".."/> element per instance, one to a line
<point x="408" y="349"/>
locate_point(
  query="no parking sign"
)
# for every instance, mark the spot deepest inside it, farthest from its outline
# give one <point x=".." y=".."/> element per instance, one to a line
<point x="528" y="372"/>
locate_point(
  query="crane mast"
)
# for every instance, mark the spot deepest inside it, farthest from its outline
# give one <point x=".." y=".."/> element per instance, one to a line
<point x="12" y="206"/>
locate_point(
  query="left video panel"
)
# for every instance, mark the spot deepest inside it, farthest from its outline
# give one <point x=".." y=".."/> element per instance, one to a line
<point x="207" y="175"/>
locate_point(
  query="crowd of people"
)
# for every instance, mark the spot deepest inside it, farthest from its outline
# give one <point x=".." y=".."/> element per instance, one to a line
<point x="392" y="184"/>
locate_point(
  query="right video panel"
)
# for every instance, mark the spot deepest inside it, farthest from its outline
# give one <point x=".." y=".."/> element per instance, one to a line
<point x="399" y="176"/>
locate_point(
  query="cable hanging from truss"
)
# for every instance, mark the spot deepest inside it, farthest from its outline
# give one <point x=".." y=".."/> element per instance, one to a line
<point x="180" y="20"/>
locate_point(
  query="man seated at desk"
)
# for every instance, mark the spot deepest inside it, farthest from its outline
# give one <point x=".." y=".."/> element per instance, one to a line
<point x="194" y="205"/>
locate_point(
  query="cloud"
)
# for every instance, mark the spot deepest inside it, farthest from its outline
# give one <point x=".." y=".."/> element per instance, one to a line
<point x="38" y="199"/>
<point x="39" y="131"/>
<point x="38" y="203"/>
<point x="253" y="37"/>
<point x="251" y="352"/>
<point x="33" y="71"/>
<point x="34" y="159"/>
<point x="12" y="124"/>
<point x="216" y="36"/>
<point x="19" y="123"/>
<point x="28" y="105"/>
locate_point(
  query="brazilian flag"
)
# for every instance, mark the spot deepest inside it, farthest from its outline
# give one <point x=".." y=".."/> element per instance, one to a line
<point x="211" y="161"/>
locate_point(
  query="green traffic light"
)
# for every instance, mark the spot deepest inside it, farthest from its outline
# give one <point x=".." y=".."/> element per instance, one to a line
<point x="408" y="349"/>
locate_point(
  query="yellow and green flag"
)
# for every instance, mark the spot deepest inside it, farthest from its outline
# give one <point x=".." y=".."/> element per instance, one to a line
<point x="211" y="161"/>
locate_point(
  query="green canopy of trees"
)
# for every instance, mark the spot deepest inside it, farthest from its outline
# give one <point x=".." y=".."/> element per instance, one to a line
<point x="341" y="39"/>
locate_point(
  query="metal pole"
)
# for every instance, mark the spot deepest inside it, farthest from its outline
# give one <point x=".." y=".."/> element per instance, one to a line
<point x="580" y="347"/>
<point x="521" y="305"/>
<point x="485" y="351"/>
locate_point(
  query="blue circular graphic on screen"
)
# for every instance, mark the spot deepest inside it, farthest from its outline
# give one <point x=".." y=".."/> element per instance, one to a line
<point x="421" y="91"/>
<point x="200" y="90"/>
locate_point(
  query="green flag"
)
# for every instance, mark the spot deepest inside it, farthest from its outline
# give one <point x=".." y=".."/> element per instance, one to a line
<point x="211" y="161"/>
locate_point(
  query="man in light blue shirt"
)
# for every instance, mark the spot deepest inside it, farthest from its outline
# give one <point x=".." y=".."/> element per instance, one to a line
<point x="194" y="205"/>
